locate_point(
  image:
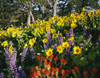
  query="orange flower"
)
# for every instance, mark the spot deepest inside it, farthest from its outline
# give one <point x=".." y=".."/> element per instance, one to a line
<point x="48" y="67"/>
<point x="43" y="70"/>
<point x="52" y="73"/>
<point x="94" y="70"/>
<point x="67" y="71"/>
<point x="62" y="71"/>
<point x="46" y="73"/>
<point x="36" y="67"/>
<point x="85" y="73"/>
<point x="56" y="69"/>
<point x="56" y="58"/>
<point x="38" y="72"/>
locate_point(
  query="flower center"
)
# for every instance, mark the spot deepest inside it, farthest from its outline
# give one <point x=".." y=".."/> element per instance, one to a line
<point x="77" y="50"/>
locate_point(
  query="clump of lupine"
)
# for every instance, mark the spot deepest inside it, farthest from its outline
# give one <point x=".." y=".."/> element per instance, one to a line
<point x="53" y="67"/>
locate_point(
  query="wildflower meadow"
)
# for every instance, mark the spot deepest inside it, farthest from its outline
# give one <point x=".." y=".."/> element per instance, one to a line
<point x="60" y="47"/>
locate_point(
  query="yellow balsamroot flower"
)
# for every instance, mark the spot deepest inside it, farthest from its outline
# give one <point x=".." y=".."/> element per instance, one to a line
<point x="44" y="40"/>
<point x="41" y="31"/>
<point x="34" y="34"/>
<point x="4" y="43"/>
<point x="60" y="49"/>
<point x="65" y="31"/>
<point x="10" y="49"/>
<point x="71" y="38"/>
<point x="65" y="44"/>
<point x="61" y="35"/>
<point x="14" y="34"/>
<point x="55" y="35"/>
<point x="59" y="23"/>
<point x="77" y="50"/>
<point x="83" y="9"/>
<point x="49" y="52"/>
<point x="32" y="41"/>
<point x="52" y="30"/>
<point x="73" y="25"/>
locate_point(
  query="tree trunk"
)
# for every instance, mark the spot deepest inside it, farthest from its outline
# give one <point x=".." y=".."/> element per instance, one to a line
<point x="54" y="8"/>
<point x="33" y="20"/>
<point x="28" y="18"/>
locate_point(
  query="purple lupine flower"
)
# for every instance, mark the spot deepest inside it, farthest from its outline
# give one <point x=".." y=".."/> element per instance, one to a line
<point x="24" y="54"/>
<point x="2" y="75"/>
<point x="48" y="37"/>
<point x="45" y="46"/>
<point x="85" y="31"/>
<point x="71" y="32"/>
<point x="89" y="38"/>
<point x="13" y="59"/>
<point x="11" y="43"/>
<point x="58" y="33"/>
<point x="32" y="52"/>
<point x="7" y="54"/>
<point x="54" y="48"/>
<point x="21" y="73"/>
<point x="81" y="45"/>
<point x="61" y="40"/>
<point x="13" y="65"/>
<point x="68" y="34"/>
<point x="70" y="43"/>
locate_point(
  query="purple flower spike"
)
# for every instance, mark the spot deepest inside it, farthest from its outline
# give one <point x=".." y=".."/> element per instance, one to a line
<point x="48" y="37"/>
<point x="81" y="45"/>
<point x="21" y="73"/>
<point x="71" y="32"/>
<point x="11" y="43"/>
<point x="45" y="46"/>
<point x="61" y="40"/>
<point x="32" y="52"/>
<point x="67" y="51"/>
<point x="58" y="33"/>
<point x="1" y="75"/>
<point x="24" y="54"/>
<point x="89" y="38"/>
<point x="67" y="34"/>
<point x="12" y="64"/>
<point x="85" y="31"/>
<point x="54" y="48"/>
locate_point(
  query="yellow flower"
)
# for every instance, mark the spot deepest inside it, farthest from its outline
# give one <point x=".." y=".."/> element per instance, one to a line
<point x="25" y="45"/>
<point x="65" y="31"/>
<point x="60" y="49"/>
<point x="86" y="49"/>
<point x="71" y="38"/>
<point x="11" y="25"/>
<point x="10" y="48"/>
<point x="44" y="40"/>
<point x="32" y="41"/>
<point x="73" y="25"/>
<point x="55" y="35"/>
<point x="61" y="35"/>
<point x="34" y="34"/>
<point x="59" y="23"/>
<point x="77" y="50"/>
<point x="4" y="43"/>
<point x="49" y="52"/>
<point x="41" y="31"/>
<point x="65" y="44"/>
<point x="14" y="34"/>
<point x="52" y="30"/>
<point x="83" y="9"/>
